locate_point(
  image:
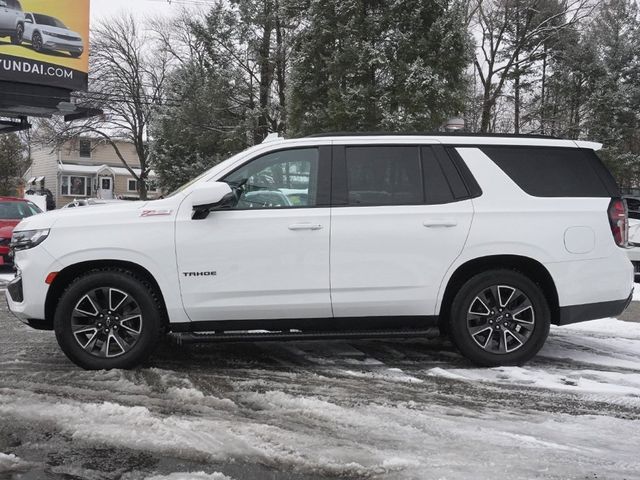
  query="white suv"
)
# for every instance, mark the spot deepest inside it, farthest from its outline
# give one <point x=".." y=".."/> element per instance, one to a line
<point x="11" y="20"/>
<point x="491" y="238"/>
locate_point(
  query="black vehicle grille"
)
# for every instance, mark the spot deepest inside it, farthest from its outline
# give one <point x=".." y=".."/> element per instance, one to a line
<point x="67" y="37"/>
<point x="15" y="290"/>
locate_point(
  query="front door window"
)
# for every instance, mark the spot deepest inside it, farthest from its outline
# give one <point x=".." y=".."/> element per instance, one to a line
<point x="284" y="179"/>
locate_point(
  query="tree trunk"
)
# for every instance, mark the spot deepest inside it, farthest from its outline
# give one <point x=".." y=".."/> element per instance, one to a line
<point x="281" y="71"/>
<point x="487" y="106"/>
<point x="543" y="91"/>
<point x="265" y="73"/>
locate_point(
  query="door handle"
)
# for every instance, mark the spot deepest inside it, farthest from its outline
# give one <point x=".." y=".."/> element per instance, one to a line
<point x="305" y="226"/>
<point x="448" y="223"/>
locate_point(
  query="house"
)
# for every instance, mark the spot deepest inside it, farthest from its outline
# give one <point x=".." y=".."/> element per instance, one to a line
<point x="86" y="167"/>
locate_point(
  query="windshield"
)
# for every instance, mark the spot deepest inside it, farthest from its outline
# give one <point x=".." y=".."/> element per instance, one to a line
<point x="47" y="20"/>
<point x="17" y="210"/>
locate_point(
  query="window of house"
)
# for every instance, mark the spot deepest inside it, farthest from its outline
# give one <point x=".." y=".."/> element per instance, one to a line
<point x="132" y="186"/>
<point x="75" y="186"/>
<point x="85" y="148"/>
<point x="384" y="176"/>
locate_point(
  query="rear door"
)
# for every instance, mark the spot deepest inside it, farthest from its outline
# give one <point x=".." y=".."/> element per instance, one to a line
<point x="400" y="217"/>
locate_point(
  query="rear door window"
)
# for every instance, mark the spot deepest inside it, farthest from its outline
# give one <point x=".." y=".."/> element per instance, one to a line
<point x="385" y="175"/>
<point x="553" y="171"/>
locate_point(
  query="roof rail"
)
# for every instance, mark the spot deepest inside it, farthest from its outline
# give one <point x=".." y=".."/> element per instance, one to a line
<point x="431" y="134"/>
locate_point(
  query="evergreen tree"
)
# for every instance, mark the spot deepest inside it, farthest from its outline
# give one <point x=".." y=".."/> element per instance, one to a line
<point x="614" y="105"/>
<point x="200" y="129"/>
<point x="378" y="64"/>
<point x="12" y="163"/>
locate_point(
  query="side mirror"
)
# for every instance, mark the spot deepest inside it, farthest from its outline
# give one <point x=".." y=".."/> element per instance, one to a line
<point x="210" y="196"/>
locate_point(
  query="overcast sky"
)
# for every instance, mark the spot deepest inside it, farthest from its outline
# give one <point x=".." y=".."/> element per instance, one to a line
<point x="140" y="8"/>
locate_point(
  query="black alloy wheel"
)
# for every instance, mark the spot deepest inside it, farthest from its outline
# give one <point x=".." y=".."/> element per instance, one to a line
<point x="17" y="38"/>
<point x="36" y="42"/>
<point x="499" y="317"/>
<point x="107" y="322"/>
<point x="108" y="318"/>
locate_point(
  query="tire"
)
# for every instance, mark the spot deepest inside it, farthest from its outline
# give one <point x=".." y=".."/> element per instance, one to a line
<point x="17" y="38"/>
<point x="108" y="319"/>
<point x="499" y="317"/>
<point x="36" y="42"/>
<point x="75" y="54"/>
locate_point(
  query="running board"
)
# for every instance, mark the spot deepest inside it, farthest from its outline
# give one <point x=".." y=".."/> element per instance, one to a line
<point x="239" y="337"/>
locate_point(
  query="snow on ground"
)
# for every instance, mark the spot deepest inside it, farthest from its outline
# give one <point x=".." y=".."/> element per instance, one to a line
<point x="190" y="476"/>
<point x="392" y="409"/>
<point x="5" y="277"/>
<point x="11" y="464"/>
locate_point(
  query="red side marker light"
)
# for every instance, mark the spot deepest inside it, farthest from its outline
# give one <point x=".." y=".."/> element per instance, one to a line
<point x="51" y="277"/>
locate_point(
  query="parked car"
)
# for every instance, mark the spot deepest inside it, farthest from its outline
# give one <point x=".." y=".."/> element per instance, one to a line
<point x="11" y="20"/>
<point x="12" y="211"/>
<point x="491" y="238"/>
<point x="47" y="33"/>
<point x="89" y="202"/>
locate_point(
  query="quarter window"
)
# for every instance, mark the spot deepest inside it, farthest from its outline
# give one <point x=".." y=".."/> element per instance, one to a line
<point x="283" y="179"/>
<point x="384" y="176"/>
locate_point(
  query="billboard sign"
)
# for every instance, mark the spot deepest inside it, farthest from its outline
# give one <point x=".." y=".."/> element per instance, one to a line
<point x="45" y="42"/>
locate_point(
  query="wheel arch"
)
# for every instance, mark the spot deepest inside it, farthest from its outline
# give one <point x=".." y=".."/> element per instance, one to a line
<point x="71" y="272"/>
<point x="529" y="267"/>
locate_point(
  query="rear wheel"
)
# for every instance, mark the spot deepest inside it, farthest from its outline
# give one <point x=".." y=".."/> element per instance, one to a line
<point x="499" y="317"/>
<point x="108" y="319"/>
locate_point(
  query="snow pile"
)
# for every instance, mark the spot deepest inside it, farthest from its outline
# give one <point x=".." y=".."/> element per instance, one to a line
<point x="191" y="476"/>
<point x="11" y="463"/>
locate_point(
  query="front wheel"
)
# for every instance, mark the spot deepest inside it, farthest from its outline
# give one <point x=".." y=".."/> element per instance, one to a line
<point x="499" y="317"/>
<point x="16" y="39"/>
<point x="36" y="43"/>
<point x="108" y="319"/>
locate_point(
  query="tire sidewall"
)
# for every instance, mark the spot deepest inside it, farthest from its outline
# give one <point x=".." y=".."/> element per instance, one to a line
<point x="151" y="320"/>
<point x="462" y="301"/>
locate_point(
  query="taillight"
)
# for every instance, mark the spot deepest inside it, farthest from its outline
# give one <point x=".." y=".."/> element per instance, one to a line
<point x="619" y="220"/>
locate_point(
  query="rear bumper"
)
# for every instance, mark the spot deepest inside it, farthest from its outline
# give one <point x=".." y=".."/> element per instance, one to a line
<point x="593" y="311"/>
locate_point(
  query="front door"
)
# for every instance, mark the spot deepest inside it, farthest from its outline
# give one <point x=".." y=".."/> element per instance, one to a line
<point x="397" y="227"/>
<point x="268" y="256"/>
<point x="105" y="190"/>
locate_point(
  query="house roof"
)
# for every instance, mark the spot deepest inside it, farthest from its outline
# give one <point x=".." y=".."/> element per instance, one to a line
<point x="97" y="169"/>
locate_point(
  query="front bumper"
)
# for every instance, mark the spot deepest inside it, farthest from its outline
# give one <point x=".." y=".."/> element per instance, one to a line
<point x="593" y="311"/>
<point x="57" y="44"/>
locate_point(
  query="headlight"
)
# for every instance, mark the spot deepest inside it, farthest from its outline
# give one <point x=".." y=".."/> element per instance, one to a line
<point x="28" y="239"/>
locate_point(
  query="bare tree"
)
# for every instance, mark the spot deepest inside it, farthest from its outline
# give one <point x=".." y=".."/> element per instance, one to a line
<point x="127" y="82"/>
<point x="514" y="33"/>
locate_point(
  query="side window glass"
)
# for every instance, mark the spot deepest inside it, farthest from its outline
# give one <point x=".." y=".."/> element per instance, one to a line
<point x="384" y="176"/>
<point x="284" y="179"/>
